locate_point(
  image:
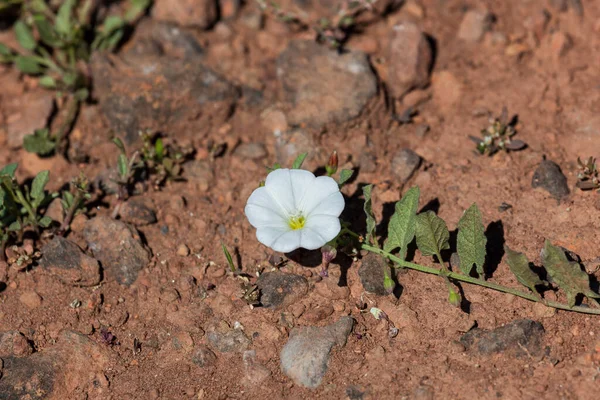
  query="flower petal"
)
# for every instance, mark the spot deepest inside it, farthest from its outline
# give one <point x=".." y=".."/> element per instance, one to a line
<point x="324" y="194"/>
<point x="302" y="181"/>
<point x="279" y="185"/>
<point x="261" y="209"/>
<point x="278" y="239"/>
<point x="263" y="217"/>
<point x="318" y="230"/>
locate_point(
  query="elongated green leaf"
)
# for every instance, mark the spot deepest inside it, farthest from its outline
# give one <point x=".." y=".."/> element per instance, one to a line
<point x="299" y="161"/>
<point x="40" y="142"/>
<point x="5" y="50"/>
<point x="9" y="170"/>
<point x="432" y="234"/>
<point x="24" y="35"/>
<point x="46" y="31"/>
<point x="45" y="221"/>
<point x="47" y="81"/>
<point x="28" y="65"/>
<point x="371" y="222"/>
<point x="122" y="165"/>
<point x="519" y="265"/>
<point x="401" y="230"/>
<point x="39" y="184"/>
<point x="471" y="241"/>
<point x="345" y="175"/>
<point x="566" y="274"/>
<point x="229" y="258"/>
<point x="64" y="23"/>
<point x="119" y="143"/>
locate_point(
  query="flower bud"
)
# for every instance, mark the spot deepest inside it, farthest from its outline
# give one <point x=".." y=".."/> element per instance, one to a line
<point x="454" y="298"/>
<point x="332" y="164"/>
<point x="389" y="285"/>
<point x="329" y="253"/>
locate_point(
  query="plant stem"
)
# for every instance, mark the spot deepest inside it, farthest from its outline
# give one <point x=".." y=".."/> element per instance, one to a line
<point x="70" y="214"/>
<point x="475" y="281"/>
<point x="71" y="113"/>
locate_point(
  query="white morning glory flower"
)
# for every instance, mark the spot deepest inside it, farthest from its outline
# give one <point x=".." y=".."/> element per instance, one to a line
<point x="295" y="209"/>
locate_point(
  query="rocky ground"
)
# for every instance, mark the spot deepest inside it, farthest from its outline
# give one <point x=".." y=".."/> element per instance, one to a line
<point x="144" y="306"/>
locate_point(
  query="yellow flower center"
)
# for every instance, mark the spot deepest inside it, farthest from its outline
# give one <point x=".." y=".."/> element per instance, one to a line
<point x="297" y="222"/>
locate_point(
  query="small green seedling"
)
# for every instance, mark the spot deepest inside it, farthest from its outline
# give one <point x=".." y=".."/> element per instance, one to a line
<point x="588" y="177"/>
<point x="73" y="201"/>
<point x="126" y="169"/>
<point x="56" y="41"/>
<point x="20" y="205"/>
<point x="498" y="136"/>
<point x="229" y="259"/>
<point x="163" y="162"/>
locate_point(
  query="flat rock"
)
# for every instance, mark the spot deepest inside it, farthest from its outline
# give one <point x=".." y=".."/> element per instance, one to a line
<point x="549" y="177"/>
<point x="138" y="211"/>
<point x="410" y="59"/>
<point x="69" y="263"/>
<point x="25" y="114"/>
<point x="520" y="337"/>
<point x="404" y="164"/>
<point x="323" y="86"/>
<point x="278" y="290"/>
<point x="73" y="368"/>
<point x="158" y="38"/>
<point x="371" y="274"/>
<point x="195" y="13"/>
<point x="14" y="344"/>
<point x="228" y="340"/>
<point x="118" y="247"/>
<point x="305" y="356"/>
<point x="150" y="92"/>
<point x="474" y="25"/>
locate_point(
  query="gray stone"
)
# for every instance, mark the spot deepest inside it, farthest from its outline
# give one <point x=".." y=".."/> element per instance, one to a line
<point x="163" y="38"/>
<point x="404" y="164"/>
<point x="69" y="263"/>
<point x="228" y="341"/>
<point x="203" y="357"/>
<point x="305" y="356"/>
<point x="371" y="274"/>
<point x="138" y="211"/>
<point x="410" y="59"/>
<point x="323" y="86"/>
<point x="251" y="151"/>
<point x="118" y="247"/>
<point x="278" y="290"/>
<point x="549" y="177"/>
<point x="521" y="337"/>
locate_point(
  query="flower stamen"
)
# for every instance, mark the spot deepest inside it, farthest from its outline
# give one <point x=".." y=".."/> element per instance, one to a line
<point x="297" y="222"/>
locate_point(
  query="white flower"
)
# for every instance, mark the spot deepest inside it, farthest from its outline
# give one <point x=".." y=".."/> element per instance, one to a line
<point x="295" y="209"/>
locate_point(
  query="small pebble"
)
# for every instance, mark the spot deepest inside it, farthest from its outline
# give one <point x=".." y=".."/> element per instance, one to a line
<point x="183" y="250"/>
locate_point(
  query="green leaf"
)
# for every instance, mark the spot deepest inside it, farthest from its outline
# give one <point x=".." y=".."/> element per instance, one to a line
<point x="136" y="9"/>
<point x="401" y="230"/>
<point x="63" y="22"/>
<point x="566" y="274"/>
<point x="122" y="165"/>
<point x="229" y="258"/>
<point x="40" y="142"/>
<point x="159" y="148"/>
<point x="519" y="265"/>
<point x="47" y="81"/>
<point x="28" y="65"/>
<point x="5" y="50"/>
<point x="46" y="31"/>
<point x="432" y="235"/>
<point x="39" y="184"/>
<point x="111" y="24"/>
<point x="45" y="221"/>
<point x="9" y="170"/>
<point x="119" y="143"/>
<point x="15" y="226"/>
<point x="25" y="36"/>
<point x="299" y="160"/>
<point x="371" y="222"/>
<point x="471" y="241"/>
<point x="345" y="175"/>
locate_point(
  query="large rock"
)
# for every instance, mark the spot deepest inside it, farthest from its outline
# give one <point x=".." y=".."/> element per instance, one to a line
<point x="323" y="86"/>
<point x="69" y="263"/>
<point x="157" y="38"/>
<point x="73" y="368"/>
<point x="196" y="13"/>
<point x="549" y="177"/>
<point x="410" y="59"/>
<point x="305" y="356"/>
<point x="155" y="92"/>
<point x="118" y="247"/>
<point x="281" y="290"/>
